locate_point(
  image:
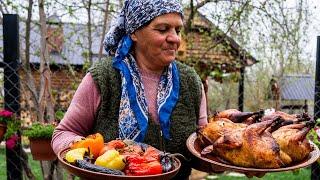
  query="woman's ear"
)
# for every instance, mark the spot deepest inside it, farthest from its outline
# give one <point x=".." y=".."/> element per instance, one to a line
<point x="133" y="37"/>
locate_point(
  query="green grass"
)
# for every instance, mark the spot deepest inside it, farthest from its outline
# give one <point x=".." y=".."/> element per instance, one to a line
<point x="35" y="165"/>
<point x="304" y="173"/>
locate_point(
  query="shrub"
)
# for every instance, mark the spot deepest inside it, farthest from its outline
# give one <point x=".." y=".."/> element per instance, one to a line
<point x="314" y="134"/>
<point x="40" y="130"/>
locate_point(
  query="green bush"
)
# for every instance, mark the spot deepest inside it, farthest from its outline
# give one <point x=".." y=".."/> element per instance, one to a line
<point x="38" y="130"/>
<point x="12" y="128"/>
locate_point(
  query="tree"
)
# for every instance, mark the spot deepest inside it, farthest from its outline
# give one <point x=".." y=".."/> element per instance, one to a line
<point x="45" y="96"/>
<point x="106" y="14"/>
<point x="274" y="31"/>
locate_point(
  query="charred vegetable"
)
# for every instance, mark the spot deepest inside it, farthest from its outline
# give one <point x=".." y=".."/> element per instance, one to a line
<point x="111" y="159"/>
<point x="166" y="162"/>
<point x="89" y="166"/>
<point x="140" y="166"/>
<point x="93" y="142"/>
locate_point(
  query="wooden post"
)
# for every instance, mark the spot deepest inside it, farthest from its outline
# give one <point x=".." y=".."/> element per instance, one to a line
<point x="315" y="168"/>
<point x="241" y="89"/>
<point x="12" y="87"/>
<point x="305" y="107"/>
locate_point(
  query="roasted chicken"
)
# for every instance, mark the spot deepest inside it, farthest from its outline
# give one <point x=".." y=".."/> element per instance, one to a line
<point x="237" y="116"/>
<point x="241" y="144"/>
<point x="292" y="140"/>
<point x="254" y="139"/>
<point x="288" y="118"/>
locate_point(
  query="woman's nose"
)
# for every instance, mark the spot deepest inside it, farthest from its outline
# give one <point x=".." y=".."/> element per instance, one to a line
<point x="173" y="37"/>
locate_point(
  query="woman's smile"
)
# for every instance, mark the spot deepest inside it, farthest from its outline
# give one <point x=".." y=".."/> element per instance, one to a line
<point x="171" y="52"/>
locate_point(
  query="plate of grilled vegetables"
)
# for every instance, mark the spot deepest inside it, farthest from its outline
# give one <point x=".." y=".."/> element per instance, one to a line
<point x="254" y="142"/>
<point x="92" y="158"/>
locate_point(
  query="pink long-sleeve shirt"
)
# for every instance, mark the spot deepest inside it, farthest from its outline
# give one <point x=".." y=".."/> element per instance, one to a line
<point x="80" y="116"/>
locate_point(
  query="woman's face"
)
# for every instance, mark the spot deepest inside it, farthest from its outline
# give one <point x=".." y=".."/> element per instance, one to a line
<point x="156" y="45"/>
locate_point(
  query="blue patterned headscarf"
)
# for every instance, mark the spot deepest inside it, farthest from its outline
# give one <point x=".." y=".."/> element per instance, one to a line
<point x="133" y="112"/>
<point x="135" y="14"/>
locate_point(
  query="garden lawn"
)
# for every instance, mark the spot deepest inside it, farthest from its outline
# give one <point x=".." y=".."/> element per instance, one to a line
<point x="35" y="165"/>
<point x="304" y="173"/>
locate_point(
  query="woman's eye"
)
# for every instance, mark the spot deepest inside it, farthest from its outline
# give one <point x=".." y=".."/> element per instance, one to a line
<point x="178" y="31"/>
<point x="162" y="30"/>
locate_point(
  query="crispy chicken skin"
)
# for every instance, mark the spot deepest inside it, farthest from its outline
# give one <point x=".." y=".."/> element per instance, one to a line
<point x="237" y="116"/>
<point x="216" y="131"/>
<point x="241" y="144"/>
<point x="288" y="118"/>
<point x="255" y="139"/>
<point x="293" y="142"/>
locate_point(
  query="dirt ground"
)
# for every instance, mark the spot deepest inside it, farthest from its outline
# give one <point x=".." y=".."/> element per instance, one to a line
<point x="197" y="175"/>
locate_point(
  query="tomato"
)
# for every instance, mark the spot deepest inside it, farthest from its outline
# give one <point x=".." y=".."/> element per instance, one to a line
<point x="114" y="144"/>
<point x="105" y="149"/>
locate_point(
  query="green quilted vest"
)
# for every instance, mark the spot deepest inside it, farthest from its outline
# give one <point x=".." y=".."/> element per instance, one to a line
<point x="183" y="119"/>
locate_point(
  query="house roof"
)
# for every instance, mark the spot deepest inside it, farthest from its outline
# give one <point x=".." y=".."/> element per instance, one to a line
<point x="297" y="87"/>
<point x="74" y="44"/>
<point x="202" y="21"/>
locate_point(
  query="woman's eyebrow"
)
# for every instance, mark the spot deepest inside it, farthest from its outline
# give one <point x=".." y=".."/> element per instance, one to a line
<point x="167" y="25"/>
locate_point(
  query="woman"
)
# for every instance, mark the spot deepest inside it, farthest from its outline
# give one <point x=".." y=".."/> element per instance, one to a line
<point x="142" y="93"/>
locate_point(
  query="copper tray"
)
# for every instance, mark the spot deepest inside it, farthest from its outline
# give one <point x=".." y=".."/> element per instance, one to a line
<point x="86" y="174"/>
<point x="213" y="164"/>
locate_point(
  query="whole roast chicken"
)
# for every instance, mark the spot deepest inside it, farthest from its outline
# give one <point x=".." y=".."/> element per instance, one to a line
<point x="292" y="140"/>
<point x="237" y="116"/>
<point x="241" y="144"/>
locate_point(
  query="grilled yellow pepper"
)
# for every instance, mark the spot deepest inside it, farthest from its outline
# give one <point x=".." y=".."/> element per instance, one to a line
<point x="111" y="159"/>
<point x="76" y="154"/>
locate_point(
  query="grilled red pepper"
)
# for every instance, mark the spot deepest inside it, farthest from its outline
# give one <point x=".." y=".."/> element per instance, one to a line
<point x="152" y="154"/>
<point x="147" y="164"/>
<point x="139" y="166"/>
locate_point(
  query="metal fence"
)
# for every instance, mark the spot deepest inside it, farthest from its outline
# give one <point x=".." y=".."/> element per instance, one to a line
<point x="14" y="99"/>
<point x="15" y="96"/>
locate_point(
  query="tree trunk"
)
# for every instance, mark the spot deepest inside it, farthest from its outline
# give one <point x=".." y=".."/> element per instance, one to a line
<point x="88" y="8"/>
<point x="46" y="107"/>
<point x="120" y="3"/>
<point x="30" y="84"/>
<point x="45" y="97"/>
<point x="106" y="13"/>
<point x="26" y="166"/>
<point x="29" y="81"/>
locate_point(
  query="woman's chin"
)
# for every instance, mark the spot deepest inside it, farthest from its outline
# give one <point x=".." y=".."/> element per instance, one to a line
<point x="168" y="61"/>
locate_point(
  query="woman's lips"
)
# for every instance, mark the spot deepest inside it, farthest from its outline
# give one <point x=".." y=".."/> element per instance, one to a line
<point x="170" y="51"/>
